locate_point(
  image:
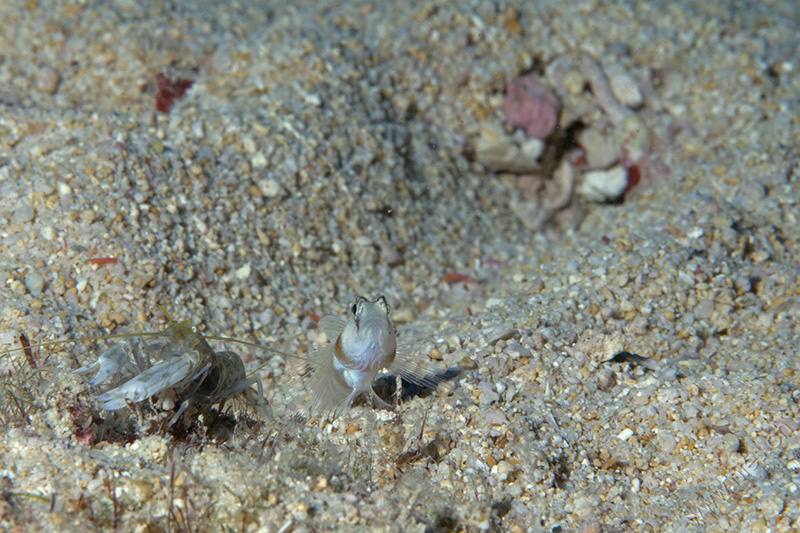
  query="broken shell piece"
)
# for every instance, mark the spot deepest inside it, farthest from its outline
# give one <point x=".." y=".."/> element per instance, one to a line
<point x="601" y="88"/>
<point x="507" y="153"/>
<point x="634" y="138"/>
<point x="624" y="87"/>
<point x="529" y="213"/>
<point x="604" y="185"/>
<point x="564" y="178"/>
<point x="602" y="150"/>
<point x="539" y="199"/>
<point x="270" y="188"/>
<point x="606" y="380"/>
<point x="47" y="79"/>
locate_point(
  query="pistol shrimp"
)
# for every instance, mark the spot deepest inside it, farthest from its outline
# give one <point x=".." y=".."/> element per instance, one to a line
<point x="359" y="348"/>
<point x="177" y="365"/>
<point x="188" y="370"/>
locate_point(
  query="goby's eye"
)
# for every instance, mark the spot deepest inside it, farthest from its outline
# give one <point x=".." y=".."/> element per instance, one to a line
<point x="357" y="304"/>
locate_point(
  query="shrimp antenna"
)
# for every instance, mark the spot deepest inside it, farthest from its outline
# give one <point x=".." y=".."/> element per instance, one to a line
<point x="255" y="345"/>
<point x="171" y="322"/>
<point x="83" y="339"/>
<point x="166" y="315"/>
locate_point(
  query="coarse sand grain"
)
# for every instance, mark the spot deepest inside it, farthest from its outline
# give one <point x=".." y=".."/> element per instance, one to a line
<point x="315" y="151"/>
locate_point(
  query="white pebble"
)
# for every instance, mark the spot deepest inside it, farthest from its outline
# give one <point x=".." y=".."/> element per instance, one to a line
<point x="197" y="129"/>
<point x="49" y="233"/>
<point x="249" y="145"/>
<point x="270" y="188"/>
<point x="453" y="342"/>
<point x="499" y="151"/>
<point x="754" y="470"/>
<point x="625" y="434"/>
<point x="259" y="160"/>
<point x="23" y="214"/>
<point x="47" y="79"/>
<point x="772" y="506"/>
<point x="530" y="150"/>
<point x="730" y="443"/>
<point x="493" y="302"/>
<point x="624" y="87"/>
<point x="634" y="136"/>
<point x="601" y="150"/>
<point x="606" y="380"/>
<point x="42" y="185"/>
<point x="494" y="417"/>
<point x="604" y="185"/>
<point x="243" y="272"/>
<point x="34" y="283"/>
<point x="696" y="233"/>
<point x="385" y="416"/>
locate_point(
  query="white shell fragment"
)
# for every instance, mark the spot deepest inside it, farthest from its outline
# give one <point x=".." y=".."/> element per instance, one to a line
<point x="47" y="79"/>
<point x="624" y="87"/>
<point x="625" y="434"/>
<point x="510" y="153"/>
<point x="633" y="135"/>
<point x="604" y="185"/>
<point x="602" y="149"/>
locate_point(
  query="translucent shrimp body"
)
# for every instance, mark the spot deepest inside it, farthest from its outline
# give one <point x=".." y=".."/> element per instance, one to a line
<point x="187" y="366"/>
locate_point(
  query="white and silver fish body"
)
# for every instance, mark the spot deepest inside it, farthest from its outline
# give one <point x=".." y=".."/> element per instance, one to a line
<point x="360" y="347"/>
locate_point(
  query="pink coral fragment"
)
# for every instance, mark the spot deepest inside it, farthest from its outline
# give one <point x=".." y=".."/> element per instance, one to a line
<point x="531" y="105"/>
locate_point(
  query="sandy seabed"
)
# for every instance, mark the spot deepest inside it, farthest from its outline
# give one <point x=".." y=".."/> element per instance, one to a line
<point x="251" y="166"/>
